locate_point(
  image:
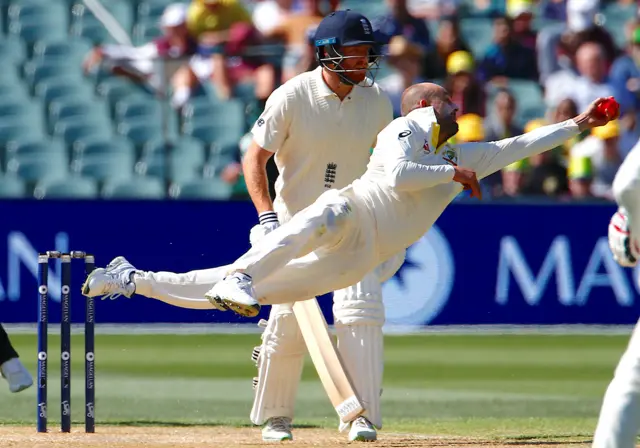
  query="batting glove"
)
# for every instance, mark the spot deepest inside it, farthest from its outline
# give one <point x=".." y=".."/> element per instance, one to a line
<point x="268" y="223"/>
<point x="623" y="247"/>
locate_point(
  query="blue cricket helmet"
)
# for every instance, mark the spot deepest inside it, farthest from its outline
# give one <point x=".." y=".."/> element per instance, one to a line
<point x="346" y="29"/>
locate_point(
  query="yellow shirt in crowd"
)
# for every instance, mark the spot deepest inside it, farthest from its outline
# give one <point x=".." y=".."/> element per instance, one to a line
<point x="202" y="19"/>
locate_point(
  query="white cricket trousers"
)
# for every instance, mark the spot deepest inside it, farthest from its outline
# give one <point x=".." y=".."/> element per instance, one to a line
<point x="619" y="419"/>
<point x="328" y="246"/>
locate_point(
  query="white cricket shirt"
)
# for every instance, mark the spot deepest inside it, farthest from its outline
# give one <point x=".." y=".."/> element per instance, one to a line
<point x="409" y="182"/>
<point x="626" y="188"/>
<point x="319" y="142"/>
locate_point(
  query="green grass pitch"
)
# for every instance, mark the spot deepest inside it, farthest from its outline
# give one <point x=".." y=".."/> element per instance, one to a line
<point x="486" y="386"/>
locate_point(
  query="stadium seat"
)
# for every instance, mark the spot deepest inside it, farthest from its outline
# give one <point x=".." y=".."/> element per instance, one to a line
<point x="120" y="10"/>
<point x="103" y="167"/>
<point x="114" y="89"/>
<point x="75" y="107"/>
<point x="99" y="146"/>
<point x="216" y="121"/>
<point x="40" y="70"/>
<point x="28" y="147"/>
<point x="68" y="188"/>
<point x="135" y="188"/>
<point x="54" y="89"/>
<point x="12" y="187"/>
<point x="93" y="32"/>
<point x="140" y="131"/>
<point x="138" y="107"/>
<point x="211" y="189"/>
<point x="73" y="130"/>
<point x="221" y="155"/>
<point x="35" y="168"/>
<point x="16" y="130"/>
<point x="36" y="29"/>
<point x="72" y="52"/>
<point x="152" y="9"/>
<point x="12" y="50"/>
<point x="478" y="33"/>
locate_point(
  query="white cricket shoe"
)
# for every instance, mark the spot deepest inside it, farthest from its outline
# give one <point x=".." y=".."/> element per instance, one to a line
<point x="277" y="429"/>
<point x="362" y="431"/>
<point x="111" y="282"/>
<point x="16" y="375"/>
<point x="235" y="293"/>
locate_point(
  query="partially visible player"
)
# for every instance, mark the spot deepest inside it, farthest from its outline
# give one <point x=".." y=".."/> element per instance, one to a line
<point x="11" y="368"/>
<point x="619" y="420"/>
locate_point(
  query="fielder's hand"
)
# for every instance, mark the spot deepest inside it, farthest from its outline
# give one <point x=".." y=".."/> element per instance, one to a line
<point x="622" y="245"/>
<point x="468" y="180"/>
<point x="593" y="117"/>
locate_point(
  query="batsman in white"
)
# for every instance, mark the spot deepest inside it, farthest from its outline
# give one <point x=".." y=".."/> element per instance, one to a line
<point x="619" y="420"/>
<point x="321" y="126"/>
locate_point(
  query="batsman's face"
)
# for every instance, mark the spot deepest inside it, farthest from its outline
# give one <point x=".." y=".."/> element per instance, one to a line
<point x="356" y="58"/>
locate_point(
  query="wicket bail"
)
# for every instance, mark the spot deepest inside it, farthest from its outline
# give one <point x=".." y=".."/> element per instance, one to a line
<point x="65" y="341"/>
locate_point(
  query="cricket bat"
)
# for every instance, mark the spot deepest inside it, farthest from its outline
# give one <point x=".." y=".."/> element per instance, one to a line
<point x="326" y="359"/>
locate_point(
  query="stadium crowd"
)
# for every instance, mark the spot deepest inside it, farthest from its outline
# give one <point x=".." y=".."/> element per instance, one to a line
<point x="511" y="65"/>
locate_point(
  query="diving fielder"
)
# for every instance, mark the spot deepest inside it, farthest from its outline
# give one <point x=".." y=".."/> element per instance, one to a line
<point x="620" y="413"/>
<point x="412" y="176"/>
<point x="321" y="126"/>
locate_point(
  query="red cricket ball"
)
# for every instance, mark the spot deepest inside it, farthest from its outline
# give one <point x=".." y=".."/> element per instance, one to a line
<point x="609" y="108"/>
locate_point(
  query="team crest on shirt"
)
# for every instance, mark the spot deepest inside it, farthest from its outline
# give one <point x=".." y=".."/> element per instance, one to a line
<point x="450" y="156"/>
<point x="426" y="148"/>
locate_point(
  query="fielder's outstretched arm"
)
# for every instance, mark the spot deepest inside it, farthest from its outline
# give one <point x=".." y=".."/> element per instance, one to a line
<point x="487" y="158"/>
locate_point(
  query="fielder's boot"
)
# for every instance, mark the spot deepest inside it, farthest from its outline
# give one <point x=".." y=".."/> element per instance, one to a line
<point x="16" y="375"/>
<point x="277" y="429"/>
<point x="111" y="282"/>
<point x="235" y="293"/>
<point x="362" y="431"/>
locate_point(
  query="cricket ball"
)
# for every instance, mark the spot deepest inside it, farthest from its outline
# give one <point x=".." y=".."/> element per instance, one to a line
<point x="608" y="108"/>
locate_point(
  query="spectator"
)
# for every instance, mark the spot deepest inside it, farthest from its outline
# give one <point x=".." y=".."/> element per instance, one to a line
<point x="513" y="178"/>
<point x="268" y="14"/>
<point x="399" y="22"/>
<point x="207" y="20"/>
<point x="625" y="72"/>
<point x="558" y="43"/>
<point x="292" y="30"/>
<point x="589" y="83"/>
<point x="500" y="123"/>
<point x="507" y="58"/>
<point x="601" y="147"/>
<point x="406" y="59"/>
<point x="546" y="176"/>
<point x="521" y="14"/>
<point x="566" y="110"/>
<point x="461" y="82"/>
<point x="580" y="175"/>
<point x="447" y="41"/>
<point x="137" y="63"/>
<point x="432" y="9"/>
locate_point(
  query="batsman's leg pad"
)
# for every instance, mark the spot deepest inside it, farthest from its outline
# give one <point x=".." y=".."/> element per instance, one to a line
<point x="619" y="419"/>
<point x="359" y="315"/>
<point x="280" y="359"/>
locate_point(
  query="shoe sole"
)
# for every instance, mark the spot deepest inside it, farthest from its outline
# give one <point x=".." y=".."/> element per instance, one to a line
<point x="241" y="309"/>
<point x="282" y="439"/>
<point x="364" y="439"/>
<point x="238" y="308"/>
